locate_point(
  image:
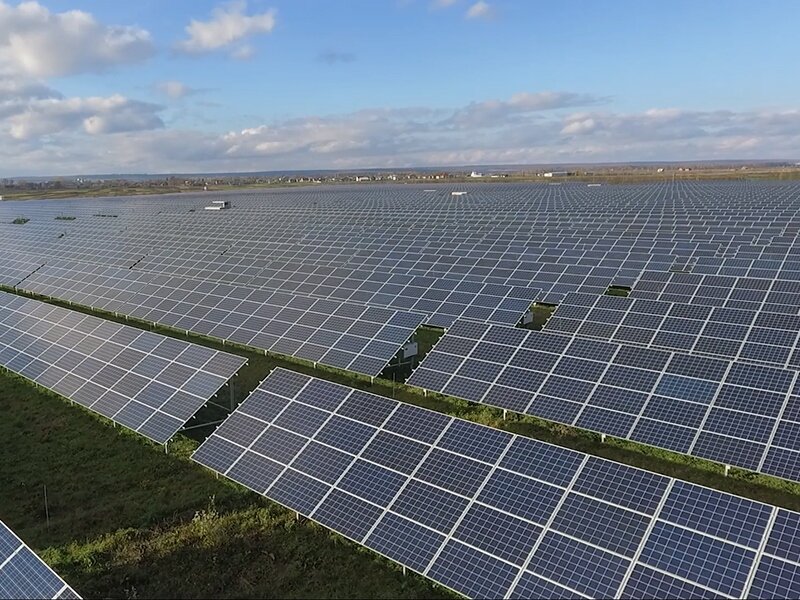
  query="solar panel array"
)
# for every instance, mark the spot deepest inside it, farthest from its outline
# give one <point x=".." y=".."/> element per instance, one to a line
<point x="441" y="300"/>
<point x="351" y="336"/>
<point x="736" y="413"/>
<point x="23" y="575"/>
<point x="494" y="515"/>
<point x="773" y="295"/>
<point x="16" y="267"/>
<point x="747" y="335"/>
<point x="147" y="382"/>
<point x="481" y="256"/>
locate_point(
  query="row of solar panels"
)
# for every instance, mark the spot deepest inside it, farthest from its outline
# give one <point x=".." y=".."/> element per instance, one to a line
<point x="494" y="515"/>
<point x="346" y="335"/>
<point x="736" y="413"/>
<point x="149" y="383"/>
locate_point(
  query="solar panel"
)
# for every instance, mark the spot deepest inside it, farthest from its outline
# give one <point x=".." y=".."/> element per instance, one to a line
<point x="349" y="336"/>
<point x="727" y="411"/>
<point x="745" y="335"/>
<point x="147" y="382"/>
<point x="25" y="575"/>
<point x="16" y="267"/>
<point x="491" y="514"/>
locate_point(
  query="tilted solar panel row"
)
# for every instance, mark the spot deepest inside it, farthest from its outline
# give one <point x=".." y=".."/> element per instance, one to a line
<point x="147" y="382"/>
<point x="739" y="414"/>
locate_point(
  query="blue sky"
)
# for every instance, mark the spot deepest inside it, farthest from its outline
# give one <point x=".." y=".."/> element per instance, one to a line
<point x="198" y="85"/>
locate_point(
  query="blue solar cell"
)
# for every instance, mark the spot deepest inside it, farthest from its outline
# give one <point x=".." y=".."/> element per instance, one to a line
<point x="395" y="452"/>
<point x="263" y="405"/>
<point x="26" y="576"/>
<point x="521" y="496"/>
<point x="453" y="472"/>
<point x="371" y="482"/>
<point x="647" y="583"/>
<point x="501" y="535"/>
<point x="417" y="423"/>
<point x="784" y="539"/>
<point x="706" y="561"/>
<point x="471" y="572"/>
<point x="736" y="424"/>
<point x="430" y="506"/>
<point x="255" y="472"/>
<point x="279" y="445"/>
<point x="716" y="513"/>
<point x="322" y="462"/>
<point x="578" y="566"/>
<point x="542" y="461"/>
<point x="775" y="578"/>
<point x="301" y="419"/>
<point x="624" y="486"/>
<point x="782" y="463"/>
<point x="323" y="394"/>
<point x="601" y="524"/>
<point x="533" y="586"/>
<point x="685" y="388"/>
<point x="347" y="514"/>
<point x="345" y="434"/>
<point x="405" y="542"/>
<point x="367" y="408"/>
<point x="297" y="491"/>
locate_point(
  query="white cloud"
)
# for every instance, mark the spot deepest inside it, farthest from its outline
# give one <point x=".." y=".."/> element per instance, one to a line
<point x="94" y="116"/>
<point x="55" y="135"/>
<point x="480" y="10"/>
<point x="228" y="25"/>
<point x="38" y="43"/>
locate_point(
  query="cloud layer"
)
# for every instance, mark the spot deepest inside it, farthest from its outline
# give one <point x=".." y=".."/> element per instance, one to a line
<point x="228" y="26"/>
<point x="35" y="42"/>
<point x="116" y="134"/>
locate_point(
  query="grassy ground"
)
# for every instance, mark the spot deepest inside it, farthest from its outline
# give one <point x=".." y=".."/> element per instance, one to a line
<point x="127" y="520"/>
<point x="620" y="175"/>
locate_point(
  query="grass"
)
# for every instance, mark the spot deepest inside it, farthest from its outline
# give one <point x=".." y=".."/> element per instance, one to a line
<point x="20" y="221"/>
<point x="65" y="218"/>
<point x="617" y="290"/>
<point x="128" y="520"/>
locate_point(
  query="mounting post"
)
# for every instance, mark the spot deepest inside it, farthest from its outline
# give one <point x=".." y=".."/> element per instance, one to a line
<point x="727" y="470"/>
<point x="505" y="414"/>
<point x="602" y="438"/>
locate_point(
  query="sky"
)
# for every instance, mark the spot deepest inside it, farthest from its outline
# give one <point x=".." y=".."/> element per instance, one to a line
<point x="193" y="86"/>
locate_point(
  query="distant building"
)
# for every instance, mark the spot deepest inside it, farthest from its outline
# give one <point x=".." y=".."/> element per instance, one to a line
<point x="476" y="174"/>
<point x="557" y="174"/>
